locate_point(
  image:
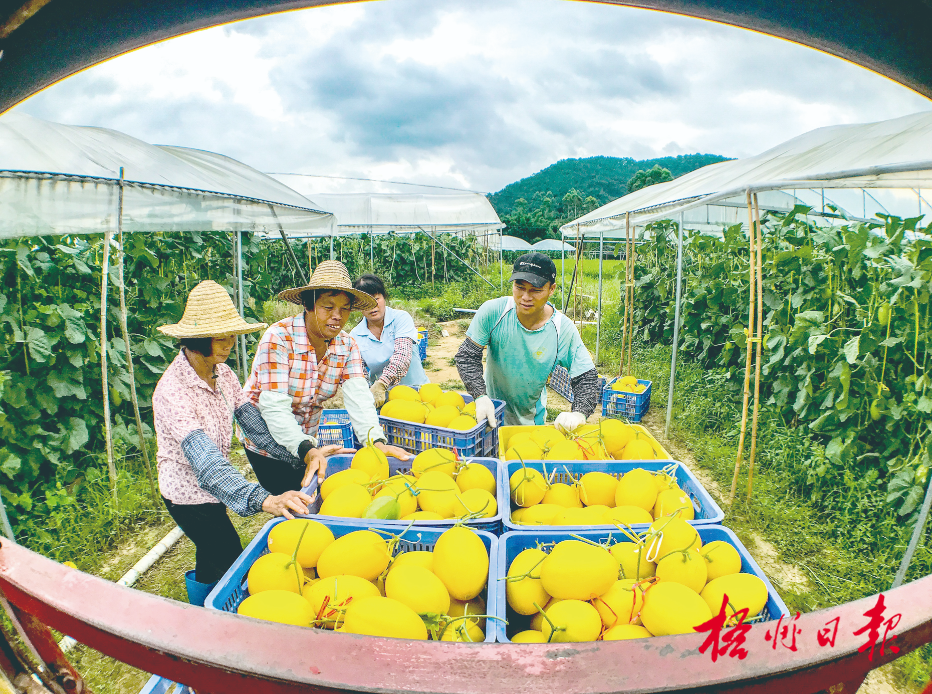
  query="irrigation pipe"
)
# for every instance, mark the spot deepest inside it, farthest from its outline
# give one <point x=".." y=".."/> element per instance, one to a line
<point x="914" y="540"/>
<point x="139" y="568"/>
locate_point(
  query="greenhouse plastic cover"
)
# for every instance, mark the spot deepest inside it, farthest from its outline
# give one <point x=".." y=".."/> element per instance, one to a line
<point x="385" y="212"/>
<point x="512" y="243"/>
<point x="553" y="245"/>
<point x="892" y="159"/>
<point x="63" y="179"/>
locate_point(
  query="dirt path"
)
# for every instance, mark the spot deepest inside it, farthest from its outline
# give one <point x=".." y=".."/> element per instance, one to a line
<point x="441" y="349"/>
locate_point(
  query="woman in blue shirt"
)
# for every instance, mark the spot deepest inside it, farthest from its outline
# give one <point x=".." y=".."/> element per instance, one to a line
<point x="387" y="339"/>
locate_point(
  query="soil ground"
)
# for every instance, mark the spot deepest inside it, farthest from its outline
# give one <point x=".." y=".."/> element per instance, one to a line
<point x="166" y="578"/>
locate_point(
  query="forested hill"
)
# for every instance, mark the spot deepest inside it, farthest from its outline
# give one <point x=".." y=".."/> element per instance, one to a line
<point x="604" y="178"/>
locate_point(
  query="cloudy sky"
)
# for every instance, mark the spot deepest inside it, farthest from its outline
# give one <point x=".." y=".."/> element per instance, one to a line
<point x="469" y="93"/>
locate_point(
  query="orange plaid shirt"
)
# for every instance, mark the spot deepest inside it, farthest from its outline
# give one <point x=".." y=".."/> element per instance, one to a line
<point x="286" y="363"/>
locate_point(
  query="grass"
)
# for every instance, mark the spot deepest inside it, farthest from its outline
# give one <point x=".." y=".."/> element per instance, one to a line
<point x="126" y="546"/>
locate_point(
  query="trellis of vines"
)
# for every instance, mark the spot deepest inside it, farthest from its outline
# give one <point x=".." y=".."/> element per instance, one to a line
<point x="846" y="335"/>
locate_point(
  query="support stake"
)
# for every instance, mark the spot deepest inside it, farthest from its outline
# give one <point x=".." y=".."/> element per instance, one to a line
<point x="108" y="433"/>
<point x="758" y="340"/>
<point x="747" y="366"/>
<point x="676" y="325"/>
<point x="124" y="329"/>
<point x="598" y="318"/>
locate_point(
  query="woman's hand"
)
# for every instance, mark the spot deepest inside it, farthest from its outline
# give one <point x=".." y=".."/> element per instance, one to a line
<point x="285" y="504"/>
<point x="392" y="451"/>
<point x="316" y="462"/>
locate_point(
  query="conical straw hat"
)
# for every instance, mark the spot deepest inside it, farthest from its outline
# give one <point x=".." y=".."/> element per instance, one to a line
<point x="332" y="275"/>
<point x="210" y="313"/>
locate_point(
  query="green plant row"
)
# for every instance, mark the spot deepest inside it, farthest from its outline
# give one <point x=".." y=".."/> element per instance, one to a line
<point x="846" y="329"/>
<point x="51" y="399"/>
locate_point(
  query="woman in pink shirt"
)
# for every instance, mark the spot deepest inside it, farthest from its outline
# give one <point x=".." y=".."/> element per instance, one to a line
<point x="194" y="405"/>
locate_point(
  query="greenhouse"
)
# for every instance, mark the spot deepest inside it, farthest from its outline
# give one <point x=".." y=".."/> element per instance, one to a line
<point x="838" y="174"/>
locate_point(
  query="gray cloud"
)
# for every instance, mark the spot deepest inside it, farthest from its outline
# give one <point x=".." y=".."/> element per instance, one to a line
<point x="473" y="93"/>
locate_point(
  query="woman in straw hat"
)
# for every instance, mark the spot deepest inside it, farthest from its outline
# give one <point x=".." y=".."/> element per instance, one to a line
<point x="194" y="405"/>
<point x="300" y="363"/>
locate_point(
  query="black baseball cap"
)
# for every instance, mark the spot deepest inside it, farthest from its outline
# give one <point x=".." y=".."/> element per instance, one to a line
<point x="536" y="268"/>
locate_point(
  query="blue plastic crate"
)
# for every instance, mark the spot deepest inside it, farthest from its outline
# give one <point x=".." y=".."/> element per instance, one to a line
<point x="631" y="406"/>
<point x="480" y="441"/>
<point x="335" y="427"/>
<point x="338" y="463"/>
<point x="161" y="685"/>
<point x="511" y="545"/>
<point x="559" y="381"/>
<point x="706" y="510"/>
<point x="231" y="590"/>
<point x="422" y="343"/>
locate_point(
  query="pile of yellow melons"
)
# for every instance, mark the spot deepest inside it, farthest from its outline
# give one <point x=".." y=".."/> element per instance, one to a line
<point x="597" y="498"/>
<point x="660" y="583"/>
<point x="354" y="583"/>
<point x="610" y="438"/>
<point x="439" y="487"/>
<point x="432" y="406"/>
<point x="629" y="384"/>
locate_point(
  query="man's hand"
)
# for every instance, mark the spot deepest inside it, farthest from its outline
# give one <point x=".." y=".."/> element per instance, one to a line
<point x="568" y="421"/>
<point x="285" y="504"/>
<point x="379" y="392"/>
<point x="485" y="409"/>
<point x="392" y="451"/>
<point x="316" y="462"/>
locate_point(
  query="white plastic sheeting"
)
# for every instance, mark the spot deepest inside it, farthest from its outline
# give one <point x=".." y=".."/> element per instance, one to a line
<point x="553" y="245"/>
<point x="859" y="169"/>
<point x="512" y="243"/>
<point x="380" y="213"/>
<point x="63" y="179"/>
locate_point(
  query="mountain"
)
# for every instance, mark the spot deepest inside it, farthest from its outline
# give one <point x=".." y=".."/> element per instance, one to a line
<point x="604" y="178"/>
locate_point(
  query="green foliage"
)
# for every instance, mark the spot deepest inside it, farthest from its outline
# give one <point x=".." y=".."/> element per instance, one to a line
<point x="51" y="399"/>
<point x="52" y="409"/>
<point x="649" y="177"/>
<point x="470" y="293"/>
<point x="846" y="328"/>
<point x="401" y="259"/>
<point x="542" y="218"/>
<point x="605" y="178"/>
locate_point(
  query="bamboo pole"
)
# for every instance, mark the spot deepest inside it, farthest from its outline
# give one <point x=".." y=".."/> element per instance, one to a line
<point x="624" y="328"/>
<point x="634" y="256"/>
<point x="239" y="349"/>
<point x="124" y="329"/>
<point x="747" y="366"/>
<point x="758" y="346"/>
<point x="577" y="305"/>
<point x="676" y="323"/>
<point x="598" y="324"/>
<point x="108" y="434"/>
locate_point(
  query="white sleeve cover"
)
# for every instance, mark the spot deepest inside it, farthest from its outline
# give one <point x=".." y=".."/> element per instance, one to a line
<point x="360" y="405"/>
<point x="284" y="428"/>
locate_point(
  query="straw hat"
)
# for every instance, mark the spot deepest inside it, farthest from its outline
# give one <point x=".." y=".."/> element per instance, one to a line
<point x="332" y="275"/>
<point x="210" y="313"/>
